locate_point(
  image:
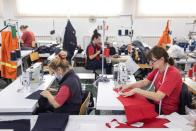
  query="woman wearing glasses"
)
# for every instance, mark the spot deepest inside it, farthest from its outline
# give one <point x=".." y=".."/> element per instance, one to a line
<point x="166" y="79"/>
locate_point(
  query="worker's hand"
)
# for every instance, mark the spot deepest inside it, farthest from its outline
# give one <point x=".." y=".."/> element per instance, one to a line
<point x="45" y="93"/>
<point x="121" y="88"/>
<point x="128" y="93"/>
<point x="98" y="52"/>
<point x="52" y="90"/>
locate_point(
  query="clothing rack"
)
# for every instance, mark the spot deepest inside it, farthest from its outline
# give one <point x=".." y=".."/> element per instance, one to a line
<point x="4" y="28"/>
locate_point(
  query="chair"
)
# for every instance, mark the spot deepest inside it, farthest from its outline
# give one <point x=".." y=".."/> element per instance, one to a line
<point x="84" y="106"/>
<point x="185" y="99"/>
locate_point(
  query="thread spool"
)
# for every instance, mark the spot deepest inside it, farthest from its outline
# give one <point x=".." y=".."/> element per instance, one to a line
<point x="190" y="73"/>
<point x="18" y="54"/>
<point x="194" y="72"/>
<point x="13" y="56"/>
<point x="194" y="68"/>
<point x="106" y="52"/>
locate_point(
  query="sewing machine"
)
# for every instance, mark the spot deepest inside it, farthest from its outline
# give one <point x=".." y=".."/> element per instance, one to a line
<point x="33" y="75"/>
<point x="120" y="73"/>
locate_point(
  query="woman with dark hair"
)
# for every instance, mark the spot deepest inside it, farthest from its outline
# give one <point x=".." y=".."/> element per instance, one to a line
<point x="28" y="37"/>
<point x="93" y="52"/>
<point x="165" y="77"/>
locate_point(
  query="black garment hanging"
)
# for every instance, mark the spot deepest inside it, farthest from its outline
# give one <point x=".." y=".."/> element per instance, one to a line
<point x="70" y="40"/>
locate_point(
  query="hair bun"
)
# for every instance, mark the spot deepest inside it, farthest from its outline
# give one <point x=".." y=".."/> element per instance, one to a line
<point x="95" y="31"/>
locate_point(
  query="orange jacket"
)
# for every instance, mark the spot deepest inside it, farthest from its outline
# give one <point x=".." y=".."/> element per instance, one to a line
<point x="8" y="67"/>
<point x="165" y="38"/>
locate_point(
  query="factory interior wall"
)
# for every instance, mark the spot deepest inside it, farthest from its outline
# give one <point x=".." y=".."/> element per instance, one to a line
<point x="147" y="27"/>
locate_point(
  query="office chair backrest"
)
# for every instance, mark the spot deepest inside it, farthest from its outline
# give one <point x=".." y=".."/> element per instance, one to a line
<point x="185" y="99"/>
<point x="84" y="106"/>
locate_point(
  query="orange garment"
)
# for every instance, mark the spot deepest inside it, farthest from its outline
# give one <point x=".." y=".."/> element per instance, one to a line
<point x="8" y="68"/>
<point x="165" y="38"/>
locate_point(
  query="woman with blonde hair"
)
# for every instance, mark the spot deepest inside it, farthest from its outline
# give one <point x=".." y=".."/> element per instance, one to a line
<point x="69" y="95"/>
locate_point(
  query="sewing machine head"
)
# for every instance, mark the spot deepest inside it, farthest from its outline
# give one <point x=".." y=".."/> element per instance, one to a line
<point x="120" y="73"/>
<point x="34" y="73"/>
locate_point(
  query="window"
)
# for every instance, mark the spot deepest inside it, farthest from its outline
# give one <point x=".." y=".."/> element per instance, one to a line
<point x="181" y="8"/>
<point x="69" y="7"/>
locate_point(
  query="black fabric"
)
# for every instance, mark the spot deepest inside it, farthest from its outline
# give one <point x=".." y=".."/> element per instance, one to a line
<point x="57" y="51"/>
<point x="51" y="122"/>
<point x="43" y="49"/>
<point x="70" y="40"/>
<point x="185" y="99"/>
<point x="16" y="125"/>
<point x="72" y="105"/>
<point x="112" y="51"/>
<point x="44" y="106"/>
<point x="3" y="83"/>
<point x="35" y="95"/>
<point x="142" y="52"/>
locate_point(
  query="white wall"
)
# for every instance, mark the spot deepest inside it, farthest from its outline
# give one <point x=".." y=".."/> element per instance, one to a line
<point x="141" y="26"/>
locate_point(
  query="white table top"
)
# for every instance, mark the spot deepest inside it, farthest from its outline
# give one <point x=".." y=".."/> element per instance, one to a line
<point x="86" y="76"/>
<point x="106" y="97"/>
<point x="25" y="52"/>
<point x="92" y="123"/>
<point x="13" y="101"/>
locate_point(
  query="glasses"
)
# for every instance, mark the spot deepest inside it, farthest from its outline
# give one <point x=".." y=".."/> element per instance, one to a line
<point x="153" y="61"/>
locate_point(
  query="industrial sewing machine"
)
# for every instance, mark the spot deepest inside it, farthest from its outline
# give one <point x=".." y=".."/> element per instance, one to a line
<point x="33" y="75"/>
<point x="120" y="73"/>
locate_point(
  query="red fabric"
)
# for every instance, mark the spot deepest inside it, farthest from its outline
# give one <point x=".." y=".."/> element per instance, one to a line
<point x="137" y="108"/>
<point x="106" y="52"/>
<point x="91" y="51"/>
<point x="151" y="123"/>
<point x="27" y="38"/>
<point x="63" y="95"/>
<point x="171" y="87"/>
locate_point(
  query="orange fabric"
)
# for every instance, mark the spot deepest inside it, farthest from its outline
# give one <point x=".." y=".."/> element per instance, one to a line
<point x="165" y="38"/>
<point x="0" y="60"/>
<point x="8" y="68"/>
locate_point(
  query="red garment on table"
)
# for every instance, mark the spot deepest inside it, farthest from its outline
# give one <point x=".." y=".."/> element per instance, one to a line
<point x="171" y="87"/>
<point x="151" y="123"/>
<point x="137" y="108"/>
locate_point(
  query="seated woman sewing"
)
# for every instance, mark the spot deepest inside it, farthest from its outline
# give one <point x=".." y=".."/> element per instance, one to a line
<point x="69" y="96"/>
<point x="165" y="77"/>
